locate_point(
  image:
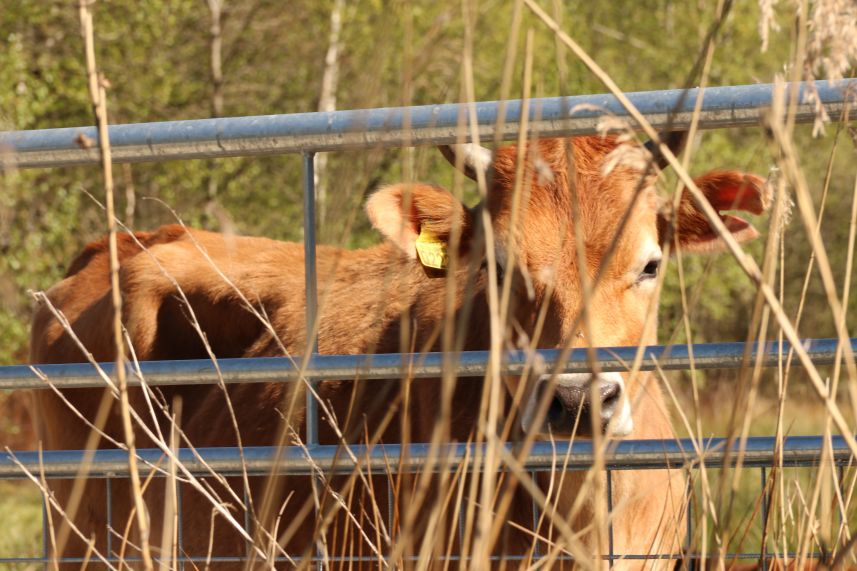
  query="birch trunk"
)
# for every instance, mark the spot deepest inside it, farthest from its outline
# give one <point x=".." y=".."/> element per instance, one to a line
<point x="327" y="101"/>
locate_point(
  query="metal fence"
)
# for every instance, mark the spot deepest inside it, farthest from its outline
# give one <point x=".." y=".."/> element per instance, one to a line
<point x="309" y="133"/>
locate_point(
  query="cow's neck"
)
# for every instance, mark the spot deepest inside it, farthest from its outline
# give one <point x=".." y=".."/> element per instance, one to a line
<point x="379" y="301"/>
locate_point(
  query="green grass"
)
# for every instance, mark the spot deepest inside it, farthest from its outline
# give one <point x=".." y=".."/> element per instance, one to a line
<point x="737" y="501"/>
<point x="20" y="523"/>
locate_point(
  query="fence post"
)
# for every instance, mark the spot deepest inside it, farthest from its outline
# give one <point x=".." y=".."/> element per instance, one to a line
<point x="311" y="287"/>
<point x="311" y="284"/>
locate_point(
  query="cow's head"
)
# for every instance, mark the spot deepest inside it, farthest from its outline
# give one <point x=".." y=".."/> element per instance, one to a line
<point x="570" y="196"/>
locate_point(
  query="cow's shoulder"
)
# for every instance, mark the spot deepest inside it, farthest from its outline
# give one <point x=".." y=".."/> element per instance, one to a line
<point x="128" y="246"/>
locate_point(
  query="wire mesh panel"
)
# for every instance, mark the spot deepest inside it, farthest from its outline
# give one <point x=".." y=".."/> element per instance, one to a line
<point x="797" y="456"/>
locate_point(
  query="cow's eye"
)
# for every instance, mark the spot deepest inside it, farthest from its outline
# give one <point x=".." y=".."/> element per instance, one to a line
<point x="650" y="271"/>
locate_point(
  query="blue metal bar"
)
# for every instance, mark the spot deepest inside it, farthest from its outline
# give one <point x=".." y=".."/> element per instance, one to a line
<point x="109" y="504"/>
<point x="620" y="455"/>
<point x="764" y="513"/>
<point x="397" y="365"/>
<point x="310" y="277"/>
<point x="45" y="508"/>
<point x="696" y="557"/>
<point x="311" y="301"/>
<point x="840" y="482"/>
<point x="689" y="519"/>
<point x="180" y="534"/>
<point x="537" y="551"/>
<point x="729" y="106"/>
<point x="247" y="524"/>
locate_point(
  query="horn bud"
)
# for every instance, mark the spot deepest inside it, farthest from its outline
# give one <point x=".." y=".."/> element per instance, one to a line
<point x="469" y="158"/>
<point x="675" y="141"/>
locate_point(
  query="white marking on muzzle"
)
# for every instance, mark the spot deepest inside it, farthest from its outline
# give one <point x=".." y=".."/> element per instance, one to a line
<point x="617" y="415"/>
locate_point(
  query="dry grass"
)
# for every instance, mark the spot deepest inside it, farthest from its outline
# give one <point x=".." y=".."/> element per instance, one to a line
<point x="810" y="510"/>
<point x="20" y="502"/>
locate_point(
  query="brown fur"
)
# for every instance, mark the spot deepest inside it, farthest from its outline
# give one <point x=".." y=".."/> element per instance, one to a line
<point x="364" y="296"/>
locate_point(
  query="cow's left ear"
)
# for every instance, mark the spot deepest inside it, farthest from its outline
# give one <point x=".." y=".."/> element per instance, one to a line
<point x="402" y="212"/>
<point x="725" y="190"/>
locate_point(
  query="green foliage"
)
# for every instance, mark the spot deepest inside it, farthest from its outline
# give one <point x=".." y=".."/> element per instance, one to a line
<point x="21" y="521"/>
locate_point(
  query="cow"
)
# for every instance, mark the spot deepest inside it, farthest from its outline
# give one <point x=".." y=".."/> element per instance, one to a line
<point x="581" y="216"/>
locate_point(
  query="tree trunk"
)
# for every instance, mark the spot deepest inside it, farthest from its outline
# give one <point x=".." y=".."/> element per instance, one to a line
<point x="327" y="101"/>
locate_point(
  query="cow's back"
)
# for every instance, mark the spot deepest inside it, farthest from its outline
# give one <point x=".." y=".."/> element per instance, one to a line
<point x="83" y="298"/>
<point x="172" y="279"/>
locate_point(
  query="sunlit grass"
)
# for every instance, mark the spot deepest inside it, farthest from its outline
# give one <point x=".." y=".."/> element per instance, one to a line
<point x="738" y="501"/>
<point x="20" y="523"/>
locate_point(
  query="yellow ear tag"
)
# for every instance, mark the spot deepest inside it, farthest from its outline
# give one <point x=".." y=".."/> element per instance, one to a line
<point x="431" y="250"/>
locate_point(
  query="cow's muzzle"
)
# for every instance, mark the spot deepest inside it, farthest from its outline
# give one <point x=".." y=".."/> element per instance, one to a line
<point x="570" y="405"/>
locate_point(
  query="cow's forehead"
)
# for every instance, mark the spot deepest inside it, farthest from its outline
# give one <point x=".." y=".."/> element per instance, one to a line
<point x="609" y="199"/>
<point x="626" y="226"/>
<point x="604" y="198"/>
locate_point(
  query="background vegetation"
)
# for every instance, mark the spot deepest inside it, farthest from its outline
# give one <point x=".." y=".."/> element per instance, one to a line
<point x="158" y="54"/>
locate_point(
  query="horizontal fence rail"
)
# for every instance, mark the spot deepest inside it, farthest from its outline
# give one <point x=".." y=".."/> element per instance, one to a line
<point x="416" y="365"/>
<point x="578" y="455"/>
<point x="730" y="106"/>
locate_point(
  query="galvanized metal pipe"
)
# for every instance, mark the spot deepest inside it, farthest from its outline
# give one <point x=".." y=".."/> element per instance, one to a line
<point x="398" y="365"/>
<point x="730" y="106"/>
<point x="311" y="288"/>
<point x="621" y="455"/>
<point x="311" y="307"/>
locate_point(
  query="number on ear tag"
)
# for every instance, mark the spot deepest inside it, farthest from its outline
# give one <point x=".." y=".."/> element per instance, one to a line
<point x="431" y="250"/>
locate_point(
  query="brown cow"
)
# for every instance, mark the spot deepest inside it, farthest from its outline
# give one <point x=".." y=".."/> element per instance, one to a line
<point x="364" y="296"/>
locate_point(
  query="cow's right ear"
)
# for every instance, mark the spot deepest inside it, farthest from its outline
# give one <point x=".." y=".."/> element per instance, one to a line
<point x="402" y="211"/>
<point x="724" y="190"/>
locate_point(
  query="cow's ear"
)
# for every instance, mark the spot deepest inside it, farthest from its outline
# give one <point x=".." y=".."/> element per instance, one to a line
<point x="402" y="212"/>
<point x="725" y="190"/>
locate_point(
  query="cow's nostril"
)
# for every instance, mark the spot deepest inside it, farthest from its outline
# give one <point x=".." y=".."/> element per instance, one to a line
<point x="571" y="404"/>
<point x="556" y="411"/>
<point x="610" y="395"/>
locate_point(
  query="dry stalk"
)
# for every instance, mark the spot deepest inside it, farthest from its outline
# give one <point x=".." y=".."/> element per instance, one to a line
<point x="170" y="528"/>
<point x="784" y="365"/>
<point x="200" y="485"/>
<point x="810" y="220"/>
<point x="54" y="562"/>
<point x="707" y="501"/>
<point x="338" y="497"/>
<point x="519" y="200"/>
<point x="98" y="97"/>
<point x="570" y="539"/>
<point x="46" y="493"/>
